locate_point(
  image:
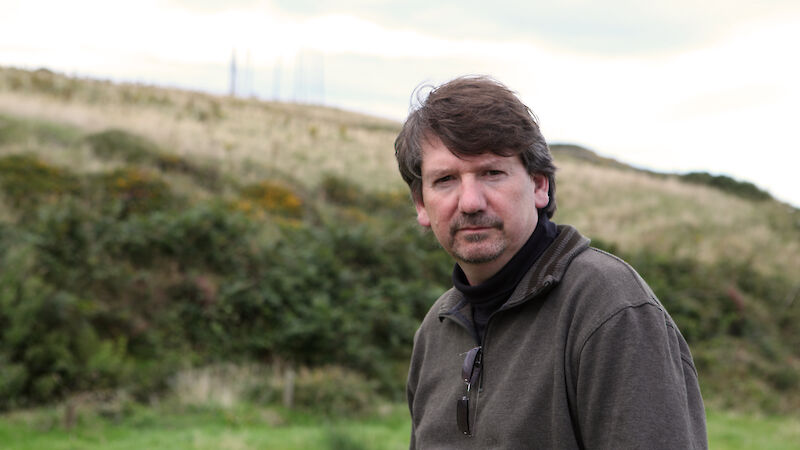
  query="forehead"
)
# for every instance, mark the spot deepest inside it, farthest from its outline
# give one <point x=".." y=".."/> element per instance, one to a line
<point x="437" y="157"/>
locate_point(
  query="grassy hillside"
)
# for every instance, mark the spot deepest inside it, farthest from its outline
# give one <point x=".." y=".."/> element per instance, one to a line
<point x="171" y="229"/>
<point x="247" y="137"/>
<point x="250" y="139"/>
<point x="638" y="210"/>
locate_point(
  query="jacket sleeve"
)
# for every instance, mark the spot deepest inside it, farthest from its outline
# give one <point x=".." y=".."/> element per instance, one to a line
<point x="411" y="386"/>
<point x="410" y="396"/>
<point x="637" y="385"/>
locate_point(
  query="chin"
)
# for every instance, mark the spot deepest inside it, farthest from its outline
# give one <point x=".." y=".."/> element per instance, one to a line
<point x="478" y="256"/>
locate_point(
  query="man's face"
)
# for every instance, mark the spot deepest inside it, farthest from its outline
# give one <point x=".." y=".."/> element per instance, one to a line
<point x="482" y="208"/>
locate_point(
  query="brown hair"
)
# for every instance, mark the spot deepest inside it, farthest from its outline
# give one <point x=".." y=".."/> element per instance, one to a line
<point x="473" y="115"/>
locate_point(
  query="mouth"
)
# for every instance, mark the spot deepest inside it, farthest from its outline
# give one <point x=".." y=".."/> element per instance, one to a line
<point x="473" y="229"/>
<point x="475" y="225"/>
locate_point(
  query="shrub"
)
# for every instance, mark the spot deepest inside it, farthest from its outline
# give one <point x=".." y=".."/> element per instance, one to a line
<point x="334" y="391"/>
<point x="269" y="197"/>
<point x="124" y="146"/>
<point x="136" y="190"/>
<point x="206" y="236"/>
<point x="48" y="346"/>
<point x="28" y="181"/>
<point x="340" y="191"/>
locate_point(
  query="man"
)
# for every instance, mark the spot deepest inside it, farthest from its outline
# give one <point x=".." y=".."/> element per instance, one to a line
<point x="543" y="342"/>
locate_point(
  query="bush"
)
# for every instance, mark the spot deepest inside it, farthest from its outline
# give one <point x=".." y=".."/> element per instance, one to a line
<point x="49" y="347"/>
<point x="334" y="391"/>
<point x="340" y="191"/>
<point x="27" y="181"/>
<point x="134" y="190"/>
<point x="124" y="146"/>
<point x="204" y="237"/>
<point x="269" y="197"/>
<point x="388" y="205"/>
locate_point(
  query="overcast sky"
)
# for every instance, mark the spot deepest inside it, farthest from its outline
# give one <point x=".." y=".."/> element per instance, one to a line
<point x="674" y="85"/>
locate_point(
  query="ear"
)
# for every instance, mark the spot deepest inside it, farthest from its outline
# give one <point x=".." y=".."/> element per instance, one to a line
<point x="422" y="214"/>
<point x="541" y="188"/>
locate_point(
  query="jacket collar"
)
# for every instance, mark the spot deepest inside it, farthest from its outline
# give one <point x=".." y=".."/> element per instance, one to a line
<point x="545" y="274"/>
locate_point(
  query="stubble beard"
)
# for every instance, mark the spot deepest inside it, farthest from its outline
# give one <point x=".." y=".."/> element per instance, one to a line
<point x="477" y="248"/>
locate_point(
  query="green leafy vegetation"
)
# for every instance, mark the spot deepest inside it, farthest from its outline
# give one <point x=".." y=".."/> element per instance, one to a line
<point x="121" y="282"/>
<point x="27" y="181"/>
<point x="269" y="197"/>
<point x="119" y="144"/>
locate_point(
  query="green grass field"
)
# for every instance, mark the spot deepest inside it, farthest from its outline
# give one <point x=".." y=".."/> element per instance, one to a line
<point x="259" y="428"/>
<point x="733" y="431"/>
<point x="242" y="427"/>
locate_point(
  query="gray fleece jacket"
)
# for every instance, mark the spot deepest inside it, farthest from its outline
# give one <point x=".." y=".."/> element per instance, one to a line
<point x="582" y="355"/>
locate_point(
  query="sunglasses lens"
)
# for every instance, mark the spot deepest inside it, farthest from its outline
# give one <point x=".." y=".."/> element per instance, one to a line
<point x="470" y="372"/>
<point x="462" y="415"/>
<point x="468" y="369"/>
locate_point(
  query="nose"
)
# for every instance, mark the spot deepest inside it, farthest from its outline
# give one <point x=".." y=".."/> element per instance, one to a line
<point x="471" y="199"/>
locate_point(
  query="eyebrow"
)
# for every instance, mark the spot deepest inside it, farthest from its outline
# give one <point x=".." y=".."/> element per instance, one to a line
<point x="493" y="163"/>
<point x="436" y="174"/>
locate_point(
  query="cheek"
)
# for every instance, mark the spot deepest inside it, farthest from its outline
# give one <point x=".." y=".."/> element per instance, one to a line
<point x="517" y="209"/>
<point x="437" y="211"/>
<point x="436" y="224"/>
<point x="440" y="226"/>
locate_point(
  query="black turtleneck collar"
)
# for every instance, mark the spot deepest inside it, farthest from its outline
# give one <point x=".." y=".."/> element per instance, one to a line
<point x="489" y="296"/>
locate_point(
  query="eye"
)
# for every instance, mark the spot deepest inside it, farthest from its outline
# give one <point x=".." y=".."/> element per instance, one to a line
<point x="494" y="173"/>
<point x="443" y="179"/>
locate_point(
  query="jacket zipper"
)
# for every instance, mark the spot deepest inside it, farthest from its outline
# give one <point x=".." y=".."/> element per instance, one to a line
<point x="482" y="344"/>
<point x="530" y="297"/>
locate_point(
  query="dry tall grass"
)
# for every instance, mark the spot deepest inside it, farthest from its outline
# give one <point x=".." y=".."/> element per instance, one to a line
<point x="222" y="386"/>
<point x="247" y="137"/>
<point x="637" y="210"/>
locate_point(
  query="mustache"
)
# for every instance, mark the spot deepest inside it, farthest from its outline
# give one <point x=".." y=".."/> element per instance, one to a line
<point x="475" y="220"/>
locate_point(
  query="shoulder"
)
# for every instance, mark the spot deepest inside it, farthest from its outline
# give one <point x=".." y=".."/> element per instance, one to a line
<point x="607" y="277"/>
<point x="600" y="288"/>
